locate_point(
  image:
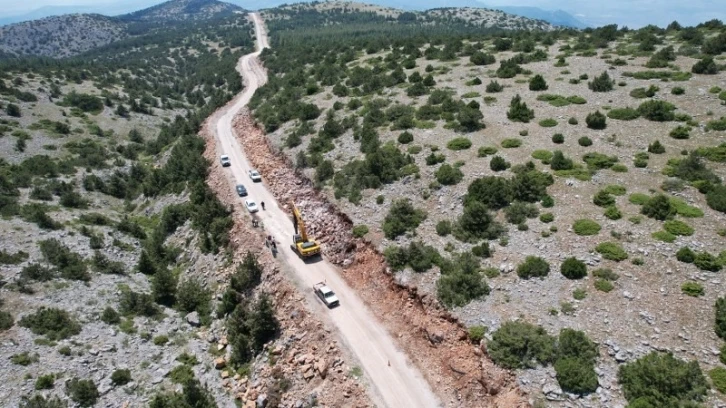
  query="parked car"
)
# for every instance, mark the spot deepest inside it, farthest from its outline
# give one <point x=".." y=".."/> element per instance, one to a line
<point x="326" y="295"/>
<point x="251" y="206"/>
<point x="224" y="159"/>
<point x="254" y="175"/>
<point x="241" y="190"/>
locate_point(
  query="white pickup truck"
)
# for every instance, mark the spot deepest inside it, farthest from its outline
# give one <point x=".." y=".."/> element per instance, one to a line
<point x="326" y="294"/>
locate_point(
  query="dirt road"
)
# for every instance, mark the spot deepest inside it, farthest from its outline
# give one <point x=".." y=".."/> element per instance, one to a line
<point x="395" y="381"/>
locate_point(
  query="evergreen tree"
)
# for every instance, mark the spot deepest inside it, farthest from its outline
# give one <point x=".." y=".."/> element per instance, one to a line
<point x="537" y="83"/>
<point x="518" y="111"/>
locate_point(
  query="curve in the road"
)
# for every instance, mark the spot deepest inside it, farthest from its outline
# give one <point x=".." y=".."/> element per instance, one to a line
<point x="396" y="382"/>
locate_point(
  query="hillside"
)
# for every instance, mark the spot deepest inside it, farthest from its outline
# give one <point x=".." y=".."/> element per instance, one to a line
<point x="60" y="36"/>
<point x="183" y="10"/>
<point x="335" y="12"/>
<point x="541" y="185"/>
<point x="69" y="35"/>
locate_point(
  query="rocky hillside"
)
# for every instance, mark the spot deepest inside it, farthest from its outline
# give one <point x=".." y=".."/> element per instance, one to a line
<point x="183" y="10"/>
<point x="347" y="12"/>
<point x="69" y="35"/>
<point x="60" y="36"/>
<point x="558" y="186"/>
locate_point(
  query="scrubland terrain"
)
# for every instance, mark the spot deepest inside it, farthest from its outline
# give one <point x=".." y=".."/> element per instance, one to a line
<point x="544" y="186"/>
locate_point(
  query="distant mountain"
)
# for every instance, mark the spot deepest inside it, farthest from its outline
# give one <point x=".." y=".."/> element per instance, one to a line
<point x="60" y="36"/>
<point x="183" y="10"/>
<point x="112" y="9"/>
<point x="556" y="17"/>
<point x="73" y="34"/>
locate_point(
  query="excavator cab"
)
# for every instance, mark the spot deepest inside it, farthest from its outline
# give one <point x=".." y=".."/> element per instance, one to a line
<point x="303" y="246"/>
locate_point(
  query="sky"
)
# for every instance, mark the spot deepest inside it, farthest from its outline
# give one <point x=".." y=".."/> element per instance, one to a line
<point x="630" y="13"/>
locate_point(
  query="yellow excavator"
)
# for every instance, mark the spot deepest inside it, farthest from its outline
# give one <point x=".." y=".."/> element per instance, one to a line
<point x="305" y="248"/>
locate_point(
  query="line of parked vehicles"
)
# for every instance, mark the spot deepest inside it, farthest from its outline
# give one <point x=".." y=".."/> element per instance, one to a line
<point x="303" y="246"/>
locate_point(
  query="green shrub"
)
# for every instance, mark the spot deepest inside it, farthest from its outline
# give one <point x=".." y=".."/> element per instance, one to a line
<point x="6" y="320"/>
<point x="161" y="340"/>
<point x="720" y="321"/>
<point x="549" y="122"/>
<point x="613" y="213"/>
<point x="37" y="272"/>
<point x="659" y="379"/>
<point x="493" y="87"/>
<point x="45" y="382"/>
<point x="603" y="285"/>
<point x="601" y="83"/>
<point x="572" y="121"/>
<point x="575" y="365"/>
<point x="476" y="333"/>
<point x="521" y="345"/>
<point x="82" y="392"/>
<point x="597" y="161"/>
<point x="707" y="262"/>
<point x="511" y="143"/>
<point x="485" y="151"/>
<point x="603" y="199"/>
<point x="692" y="289"/>
<point x="547" y="217"/>
<point x="606" y="274"/>
<point x="463" y="283"/>
<point x="572" y="268"/>
<point x="533" y="267"/>
<point x="405" y="138"/>
<point x="558" y="138"/>
<point x="459" y="143"/>
<point x="686" y="255"/>
<point x="482" y="250"/>
<point x="658" y="207"/>
<point x="402" y="217"/>
<point x="192" y="296"/>
<point x="584" y="141"/>
<point x="596" y="120"/>
<point x="359" y="231"/>
<point x="586" y="227"/>
<point x="110" y="316"/>
<point x="497" y="163"/>
<point x="716" y="198"/>
<point x="623" y="114"/>
<point x="657" y="110"/>
<point x="676" y="227"/>
<point x="518" y="212"/>
<point x="680" y="132"/>
<point x="718" y="377"/>
<point x="518" y="111"/>
<point x="55" y="324"/>
<point x="24" y="358"/>
<point x="70" y="264"/>
<point x="537" y="83"/>
<point x="656" y="148"/>
<point x="448" y="175"/>
<point x="121" y="377"/>
<point x="611" y="251"/>
<point x="677" y="90"/>
<point x="664" y="236"/>
<point x="443" y="228"/>
<point x="544" y="155"/>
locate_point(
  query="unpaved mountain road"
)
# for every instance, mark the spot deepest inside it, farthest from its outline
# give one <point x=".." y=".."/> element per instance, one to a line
<point x="395" y="382"/>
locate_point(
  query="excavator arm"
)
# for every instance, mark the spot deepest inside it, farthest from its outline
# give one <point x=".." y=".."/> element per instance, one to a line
<point x="299" y="224"/>
<point x="304" y="247"/>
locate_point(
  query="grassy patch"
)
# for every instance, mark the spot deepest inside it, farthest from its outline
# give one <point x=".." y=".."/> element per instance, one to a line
<point x="664" y="236"/>
<point x="611" y="251"/>
<point x="511" y="143"/>
<point x="586" y="227"/>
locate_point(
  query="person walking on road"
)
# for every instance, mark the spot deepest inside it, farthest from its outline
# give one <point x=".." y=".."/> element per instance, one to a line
<point x="263" y="205"/>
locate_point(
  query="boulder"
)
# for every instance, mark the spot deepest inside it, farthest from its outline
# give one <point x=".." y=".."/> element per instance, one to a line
<point x="193" y="319"/>
<point x="322" y="368"/>
<point x="220" y="363"/>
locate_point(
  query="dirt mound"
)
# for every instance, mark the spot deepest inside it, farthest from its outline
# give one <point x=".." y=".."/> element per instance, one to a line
<point x="435" y="340"/>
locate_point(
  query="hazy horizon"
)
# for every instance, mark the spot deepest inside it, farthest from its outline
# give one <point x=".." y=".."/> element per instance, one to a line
<point x="633" y="14"/>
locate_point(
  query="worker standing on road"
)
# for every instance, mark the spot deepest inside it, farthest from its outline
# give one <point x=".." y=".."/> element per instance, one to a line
<point x="263" y="205"/>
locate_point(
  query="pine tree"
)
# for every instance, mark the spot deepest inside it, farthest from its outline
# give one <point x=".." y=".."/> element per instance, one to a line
<point x="518" y="111"/>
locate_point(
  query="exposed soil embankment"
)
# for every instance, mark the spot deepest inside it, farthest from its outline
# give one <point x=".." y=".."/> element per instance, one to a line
<point x="435" y="340"/>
